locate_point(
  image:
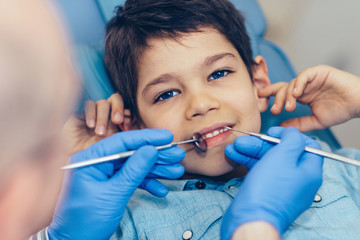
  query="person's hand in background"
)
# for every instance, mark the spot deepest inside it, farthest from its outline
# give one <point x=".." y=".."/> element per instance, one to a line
<point x="103" y="115"/>
<point x="333" y="96"/>
<point x="101" y="119"/>
<point x="281" y="183"/>
<point x="93" y="198"/>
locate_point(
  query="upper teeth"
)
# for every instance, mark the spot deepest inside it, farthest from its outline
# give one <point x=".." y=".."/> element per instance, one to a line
<point x="216" y="132"/>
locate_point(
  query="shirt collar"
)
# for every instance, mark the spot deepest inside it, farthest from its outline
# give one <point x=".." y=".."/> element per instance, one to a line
<point x="188" y="184"/>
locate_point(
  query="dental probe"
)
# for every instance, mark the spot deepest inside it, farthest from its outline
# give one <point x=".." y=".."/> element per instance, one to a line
<point x="323" y="153"/>
<point x="120" y="155"/>
<point x="197" y="139"/>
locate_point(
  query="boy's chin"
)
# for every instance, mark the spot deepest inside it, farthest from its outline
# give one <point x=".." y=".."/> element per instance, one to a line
<point x="219" y="174"/>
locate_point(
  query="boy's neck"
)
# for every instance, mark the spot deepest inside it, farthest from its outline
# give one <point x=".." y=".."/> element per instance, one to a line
<point x="240" y="171"/>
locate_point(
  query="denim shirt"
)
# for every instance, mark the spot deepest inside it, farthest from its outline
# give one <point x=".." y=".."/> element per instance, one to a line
<point x="193" y="209"/>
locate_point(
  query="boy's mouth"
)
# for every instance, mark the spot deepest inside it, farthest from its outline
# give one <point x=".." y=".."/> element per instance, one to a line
<point x="216" y="134"/>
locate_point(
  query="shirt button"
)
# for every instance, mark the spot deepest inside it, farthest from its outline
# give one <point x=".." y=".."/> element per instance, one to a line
<point x="187" y="235"/>
<point x="317" y="198"/>
<point x="200" y="185"/>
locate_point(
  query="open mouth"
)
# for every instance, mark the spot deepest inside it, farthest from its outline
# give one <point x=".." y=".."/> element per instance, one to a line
<point x="216" y="135"/>
<point x="216" y="132"/>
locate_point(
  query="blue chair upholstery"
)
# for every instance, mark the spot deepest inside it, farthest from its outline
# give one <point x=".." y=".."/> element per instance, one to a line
<point x="86" y="20"/>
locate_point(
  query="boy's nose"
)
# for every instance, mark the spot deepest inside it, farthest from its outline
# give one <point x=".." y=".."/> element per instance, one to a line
<point x="200" y="103"/>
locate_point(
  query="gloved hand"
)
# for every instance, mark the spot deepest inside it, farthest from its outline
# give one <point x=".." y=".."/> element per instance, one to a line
<point x="93" y="198"/>
<point x="281" y="183"/>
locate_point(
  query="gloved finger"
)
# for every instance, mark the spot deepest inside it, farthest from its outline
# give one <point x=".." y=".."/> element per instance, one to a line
<point x="312" y="165"/>
<point x="110" y="168"/>
<point x="166" y="157"/>
<point x="275" y="131"/>
<point x="154" y="187"/>
<point x="311" y="142"/>
<point x="311" y="161"/>
<point x="291" y="136"/>
<point x="134" y="171"/>
<point x="171" y="155"/>
<point x="155" y="137"/>
<point x="292" y="143"/>
<point x="124" y="141"/>
<point x="253" y="147"/>
<point x="239" y="158"/>
<point x="169" y="171"/>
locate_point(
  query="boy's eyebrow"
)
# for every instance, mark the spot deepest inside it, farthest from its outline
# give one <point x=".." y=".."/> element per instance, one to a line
<point x="163" y="78"/>
<point x="211" y="60"/>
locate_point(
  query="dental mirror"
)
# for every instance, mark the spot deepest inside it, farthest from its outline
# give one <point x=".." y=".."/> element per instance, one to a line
<point x="200" y="143"/>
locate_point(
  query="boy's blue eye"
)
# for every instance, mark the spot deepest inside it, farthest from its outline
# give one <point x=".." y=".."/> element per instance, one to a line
<point x="166" y="95"/>
<point x="219" y="74"/>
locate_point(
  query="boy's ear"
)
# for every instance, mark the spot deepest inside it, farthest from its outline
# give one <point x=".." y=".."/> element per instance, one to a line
<point x="128" y="122"/>
<point x="261" y="80"/>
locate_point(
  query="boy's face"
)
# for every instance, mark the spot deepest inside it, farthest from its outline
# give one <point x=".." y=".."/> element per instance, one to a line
<point x="199" y="83"/>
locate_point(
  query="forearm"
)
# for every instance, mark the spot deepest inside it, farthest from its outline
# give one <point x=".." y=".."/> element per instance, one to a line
<point x="258" y="230"/>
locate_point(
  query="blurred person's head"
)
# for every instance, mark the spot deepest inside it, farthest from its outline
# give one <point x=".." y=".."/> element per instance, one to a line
<point x="37" y="90"/>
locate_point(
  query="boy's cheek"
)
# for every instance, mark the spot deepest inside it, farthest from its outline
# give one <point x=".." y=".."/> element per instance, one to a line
<point x="170" y="120"/>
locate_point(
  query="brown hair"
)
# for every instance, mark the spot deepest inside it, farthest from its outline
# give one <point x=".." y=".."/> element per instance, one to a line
<point x="139" y="20"/>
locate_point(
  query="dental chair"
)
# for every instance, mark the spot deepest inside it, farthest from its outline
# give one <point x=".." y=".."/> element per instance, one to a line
<point x="86" y="20"/>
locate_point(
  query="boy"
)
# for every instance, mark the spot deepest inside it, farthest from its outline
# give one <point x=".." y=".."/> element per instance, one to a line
<point x="187" y="66"/>
<point x="151" y="86"/>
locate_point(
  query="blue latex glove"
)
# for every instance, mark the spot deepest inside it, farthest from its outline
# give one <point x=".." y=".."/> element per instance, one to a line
<point x="280" y="186"/>
<point x="93" y="198"/>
